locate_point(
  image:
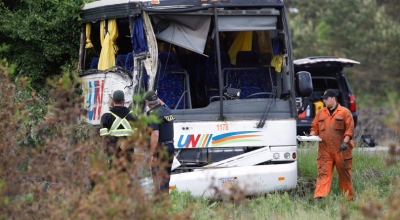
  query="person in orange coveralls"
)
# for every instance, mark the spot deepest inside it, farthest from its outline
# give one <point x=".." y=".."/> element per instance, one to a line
<point x="335" y="126"/>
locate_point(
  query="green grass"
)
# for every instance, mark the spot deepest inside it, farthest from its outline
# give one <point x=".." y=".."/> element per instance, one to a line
<point x="373" y="182"/>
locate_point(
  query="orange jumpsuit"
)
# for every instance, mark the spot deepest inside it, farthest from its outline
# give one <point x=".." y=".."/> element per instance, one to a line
<point x="332" y="129"/>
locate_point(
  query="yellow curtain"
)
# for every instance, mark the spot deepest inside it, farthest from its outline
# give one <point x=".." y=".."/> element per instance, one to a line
<point x="88" y="31"/>
<point x="109" y="47"/>
<point x="243" y="41"/>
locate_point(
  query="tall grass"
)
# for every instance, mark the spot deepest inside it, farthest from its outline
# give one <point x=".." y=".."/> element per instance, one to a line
<point x="375" y="184"/>
<point x="62" y="173"/>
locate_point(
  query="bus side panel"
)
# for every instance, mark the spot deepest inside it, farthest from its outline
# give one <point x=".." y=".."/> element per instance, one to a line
<point x="278" y="132"/>
<point x="98" y="90"/>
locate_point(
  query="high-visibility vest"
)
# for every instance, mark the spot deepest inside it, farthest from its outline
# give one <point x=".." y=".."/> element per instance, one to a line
<point x="114" y="131"/>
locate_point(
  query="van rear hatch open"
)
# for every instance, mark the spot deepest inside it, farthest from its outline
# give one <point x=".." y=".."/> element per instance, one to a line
<point x="330" y="64"/>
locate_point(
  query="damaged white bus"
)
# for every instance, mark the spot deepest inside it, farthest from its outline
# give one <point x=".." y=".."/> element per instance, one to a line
<point x="225" y="69"/>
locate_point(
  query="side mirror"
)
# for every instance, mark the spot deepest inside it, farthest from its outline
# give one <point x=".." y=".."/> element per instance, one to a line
<point x="304" y="86"/>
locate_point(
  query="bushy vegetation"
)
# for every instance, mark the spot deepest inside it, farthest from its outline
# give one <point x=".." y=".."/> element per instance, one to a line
<point x="63" y="173"/>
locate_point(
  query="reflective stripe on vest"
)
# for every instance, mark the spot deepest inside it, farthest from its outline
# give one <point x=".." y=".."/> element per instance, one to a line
<point x="121" y="133"/>
<point x="104" y="132"/>
<point x="114" y="131"/>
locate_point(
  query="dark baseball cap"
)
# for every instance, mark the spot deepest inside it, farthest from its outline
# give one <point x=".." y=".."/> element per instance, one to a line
<point x="118" y="95"/>
<point x="329" y="93"/>
<point x="151" y="96"/>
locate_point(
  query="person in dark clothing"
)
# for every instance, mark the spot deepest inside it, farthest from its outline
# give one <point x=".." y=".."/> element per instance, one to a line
<point x="161" y="142"/>
<point x="115" y="126"/>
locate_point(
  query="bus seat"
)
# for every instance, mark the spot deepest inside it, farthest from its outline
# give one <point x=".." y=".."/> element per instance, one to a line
<point x="173" y="85"/>
<point x="257" y="77"/>
<point x="94" y="63"/>
<point x="129" y="62"/>
<point x="244" y="59"/>
<point x="265" y="81"/>
<point x="248" y="79"/>
<point x="120" y="60"/>
<point x="173" y="88"/>
<point x="248" y="90"/>
<point x="169" y="61"/>
<point x="232" y="79"/>
<point x="170" y="88"/>
<point x="212" y="78"/>
<point x="247" y="59"/>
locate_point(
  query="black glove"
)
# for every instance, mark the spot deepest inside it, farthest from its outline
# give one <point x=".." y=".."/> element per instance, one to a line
<point x="343" y="147"/>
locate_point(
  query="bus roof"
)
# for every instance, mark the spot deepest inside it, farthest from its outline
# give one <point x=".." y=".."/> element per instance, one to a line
<point x="101" y="3"/>
<point x="105" y="9"/>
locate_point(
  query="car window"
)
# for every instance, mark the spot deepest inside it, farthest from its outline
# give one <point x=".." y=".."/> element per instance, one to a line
<point x="321" y="84"/>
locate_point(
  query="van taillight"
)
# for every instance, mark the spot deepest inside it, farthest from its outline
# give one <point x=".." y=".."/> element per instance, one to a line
<point x="352" y="100"/>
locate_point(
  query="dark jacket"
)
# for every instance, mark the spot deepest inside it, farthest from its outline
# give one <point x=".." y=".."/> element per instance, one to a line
<point x="166" y="127"/>
<point x="107" y="119"/>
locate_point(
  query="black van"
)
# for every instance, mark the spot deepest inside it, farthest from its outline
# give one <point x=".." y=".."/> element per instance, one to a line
<point x="326" y="73"/>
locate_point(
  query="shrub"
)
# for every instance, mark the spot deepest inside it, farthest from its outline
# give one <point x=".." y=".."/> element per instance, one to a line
<point x="63" y="173"/>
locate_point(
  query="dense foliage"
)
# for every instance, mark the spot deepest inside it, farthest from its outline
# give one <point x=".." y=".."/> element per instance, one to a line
<point x="364" y="30"/>
<point x="42" y="35"/>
